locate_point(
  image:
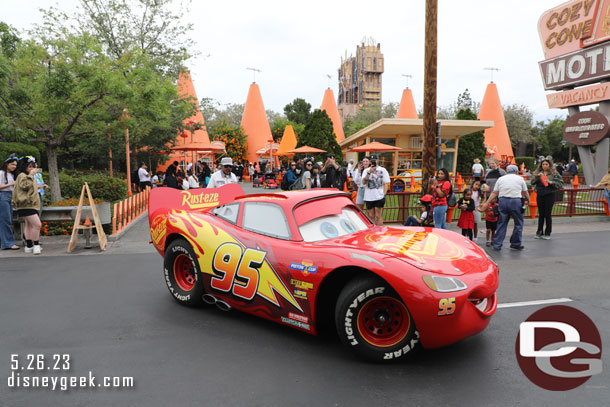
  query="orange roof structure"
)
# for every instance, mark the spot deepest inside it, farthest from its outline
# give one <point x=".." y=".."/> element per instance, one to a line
<point x="330" y="107"/>
<point x="255" y="123"/>
<point x="497" y="139"/>
<point x="289" y="141"/>
<point x="200" y="136"/>
<point x="407" y="109"/>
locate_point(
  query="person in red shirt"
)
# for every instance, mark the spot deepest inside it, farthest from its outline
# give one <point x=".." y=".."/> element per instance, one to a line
<point x="440" y="188"/>
<point x="491" y="220"/>
<point x="466" y="221"/>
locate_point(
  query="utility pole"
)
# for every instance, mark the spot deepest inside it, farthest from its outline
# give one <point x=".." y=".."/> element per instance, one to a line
<point x="429" y="153"/>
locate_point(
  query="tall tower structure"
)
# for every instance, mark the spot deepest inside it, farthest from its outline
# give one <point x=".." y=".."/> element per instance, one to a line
<point x="360" y="78"/>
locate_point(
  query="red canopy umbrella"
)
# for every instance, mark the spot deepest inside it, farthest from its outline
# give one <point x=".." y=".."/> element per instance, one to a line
<point x="374" y="146"/>
<point x="306" y="150"/>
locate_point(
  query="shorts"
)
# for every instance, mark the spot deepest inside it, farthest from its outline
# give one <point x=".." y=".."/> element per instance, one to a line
<point x="491" y="225"/>
<point x="26" y="212"/>
<point x="375" y="204"/>
<point x="360" y="196"/>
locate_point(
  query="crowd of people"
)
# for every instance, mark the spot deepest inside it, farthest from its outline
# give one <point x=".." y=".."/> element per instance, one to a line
<point x="21" y="189"/>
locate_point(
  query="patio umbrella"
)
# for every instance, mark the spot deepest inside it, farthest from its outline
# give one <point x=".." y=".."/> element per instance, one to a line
<point x="306" y="150"/>
<point x="197" y="147"/>
<point x="374" y="146"/>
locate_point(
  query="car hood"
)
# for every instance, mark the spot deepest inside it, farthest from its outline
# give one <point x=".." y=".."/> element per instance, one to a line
<point x="429" y="249"/>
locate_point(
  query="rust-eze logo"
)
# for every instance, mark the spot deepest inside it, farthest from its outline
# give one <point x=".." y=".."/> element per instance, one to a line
<point x="559" y="348"/>
<point x="158" y="229"/>
<point x="199" y="201"/>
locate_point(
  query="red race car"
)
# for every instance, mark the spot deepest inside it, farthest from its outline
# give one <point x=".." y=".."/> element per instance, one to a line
<point x="306" y="258"/>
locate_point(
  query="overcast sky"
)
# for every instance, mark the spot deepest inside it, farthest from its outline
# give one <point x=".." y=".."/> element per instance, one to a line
<point x="296" y="44"/>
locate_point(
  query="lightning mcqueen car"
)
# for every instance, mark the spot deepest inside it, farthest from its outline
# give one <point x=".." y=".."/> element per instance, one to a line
<point x="312" y="257"/>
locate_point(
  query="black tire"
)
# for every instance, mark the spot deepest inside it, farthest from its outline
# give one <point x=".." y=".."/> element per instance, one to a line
<point x="373" y="322"/>
<point x="182" y="274"/>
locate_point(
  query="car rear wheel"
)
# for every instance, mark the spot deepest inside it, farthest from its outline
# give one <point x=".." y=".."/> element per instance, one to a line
<point x="372" y="320"/>
<point x="182" y="274"/>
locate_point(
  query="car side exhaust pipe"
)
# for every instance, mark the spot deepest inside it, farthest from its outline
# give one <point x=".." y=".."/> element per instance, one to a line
<point x="223" y="306"/>
<point x="209" y="299"/>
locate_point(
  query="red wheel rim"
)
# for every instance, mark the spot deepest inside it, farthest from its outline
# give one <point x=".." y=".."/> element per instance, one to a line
<point x="383" y="321"/>
<point x="184" y="272"/>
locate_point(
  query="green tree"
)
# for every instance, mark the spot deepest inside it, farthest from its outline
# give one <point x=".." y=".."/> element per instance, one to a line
<point x="389" y="110"/>
<point x="154" y="28"/>
<point x="470" y="146"/>
<point x="216" y="116"/>
<point x="318" y="133"/>
<point x="235" y="141"/>
<point x="548" y="136"/>
<point x="519" y="121"/>
<point x="298" y="111"/>
<point x="53" y="89"/>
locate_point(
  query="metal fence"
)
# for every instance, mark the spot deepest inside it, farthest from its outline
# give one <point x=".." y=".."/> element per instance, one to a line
<point x="568" y="202"/>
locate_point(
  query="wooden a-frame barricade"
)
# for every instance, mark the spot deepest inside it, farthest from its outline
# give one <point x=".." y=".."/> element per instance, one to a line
<point x="103" y="240"/>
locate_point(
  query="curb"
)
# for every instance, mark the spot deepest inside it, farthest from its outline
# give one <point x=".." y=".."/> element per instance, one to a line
<point x="114" y="238"/>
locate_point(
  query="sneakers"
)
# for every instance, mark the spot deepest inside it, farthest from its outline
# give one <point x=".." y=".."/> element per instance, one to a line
<point x="474" y="239"/>
<point x="545" y="237"/>
<point x="37" y="249"/>
<point x="29" y="249"/>
<point x="488" y="243"/>
<point x="538" y="236"/>
<point x="517" y="247"/>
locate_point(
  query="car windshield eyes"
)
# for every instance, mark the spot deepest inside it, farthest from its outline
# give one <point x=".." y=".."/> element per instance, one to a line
<point x="329" y="230"/>
<point x="348" y="226"/>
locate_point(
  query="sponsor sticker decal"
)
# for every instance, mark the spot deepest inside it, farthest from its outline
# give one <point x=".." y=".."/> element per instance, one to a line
<point x="300" y="294"/>
<point x="304" y="285"/>
<point x="306" y="267"/>
<point x="158" y="230"/>
<point x="559" y="348"/>
<point x="298" y="317"/>
<point x="298" y="324"/>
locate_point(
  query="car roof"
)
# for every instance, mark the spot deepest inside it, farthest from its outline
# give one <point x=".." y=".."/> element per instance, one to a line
<point x="290" y="199"/>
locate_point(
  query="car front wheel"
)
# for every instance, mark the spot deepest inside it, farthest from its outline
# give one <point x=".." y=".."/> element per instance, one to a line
<point x="372" y="320"/>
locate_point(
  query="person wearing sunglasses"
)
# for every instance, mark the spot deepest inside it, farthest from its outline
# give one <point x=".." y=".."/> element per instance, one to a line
<point x="224" y="175"/>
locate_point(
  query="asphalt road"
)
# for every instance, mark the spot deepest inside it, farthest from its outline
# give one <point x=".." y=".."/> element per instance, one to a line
<point x="114" y="316"/>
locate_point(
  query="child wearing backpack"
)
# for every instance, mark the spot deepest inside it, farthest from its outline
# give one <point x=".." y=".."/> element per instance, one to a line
<point x="491" y="220"/>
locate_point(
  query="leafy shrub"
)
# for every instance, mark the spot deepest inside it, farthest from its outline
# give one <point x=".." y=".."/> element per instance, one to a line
<point x="19" y="149"/>
<point x="530" y="162"/>
<point x="102" y="187"/>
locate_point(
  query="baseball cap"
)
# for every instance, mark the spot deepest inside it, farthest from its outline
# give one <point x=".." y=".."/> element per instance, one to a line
<point x="511" y="169"/>
<point x="226" y="161"/>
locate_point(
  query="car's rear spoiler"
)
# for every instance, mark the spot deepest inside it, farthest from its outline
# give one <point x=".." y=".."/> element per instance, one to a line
<point x="195" y="200"/>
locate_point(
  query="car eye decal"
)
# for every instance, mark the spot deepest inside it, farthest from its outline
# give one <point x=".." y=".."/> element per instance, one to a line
<point x="348" y="226"/>
<point x="329" y="230"/>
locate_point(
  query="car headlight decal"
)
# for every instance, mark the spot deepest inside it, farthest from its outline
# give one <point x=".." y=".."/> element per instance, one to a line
<point x="443" y="284"/>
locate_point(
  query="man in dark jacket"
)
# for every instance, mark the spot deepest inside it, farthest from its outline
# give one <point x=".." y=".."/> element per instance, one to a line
<point x="332" y="170"/>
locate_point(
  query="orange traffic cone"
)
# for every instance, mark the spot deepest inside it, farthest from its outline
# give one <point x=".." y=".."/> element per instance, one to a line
<point x="87" y="221"/>
<point x="575" y="182"/>
<point x="533" y="205"/>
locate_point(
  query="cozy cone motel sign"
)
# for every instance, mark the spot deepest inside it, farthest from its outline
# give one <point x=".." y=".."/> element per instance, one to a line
<point x="575" y="39"/>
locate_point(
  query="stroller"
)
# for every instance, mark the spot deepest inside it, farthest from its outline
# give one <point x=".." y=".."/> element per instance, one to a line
<point x="270" y="181"/>
<point x="257" y="180"/>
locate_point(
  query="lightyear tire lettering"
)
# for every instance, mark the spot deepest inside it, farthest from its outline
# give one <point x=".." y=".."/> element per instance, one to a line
<point x="182" y="274"/>
<point x="373" y="322"/>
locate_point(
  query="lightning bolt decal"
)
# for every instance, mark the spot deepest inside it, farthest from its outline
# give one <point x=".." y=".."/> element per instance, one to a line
<point x="196" y="230"/>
